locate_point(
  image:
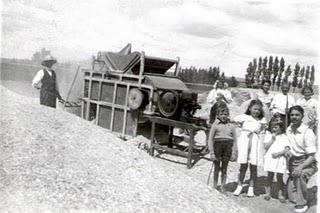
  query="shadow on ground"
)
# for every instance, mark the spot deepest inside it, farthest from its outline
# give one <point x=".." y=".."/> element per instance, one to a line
<point x="260" y="191"/>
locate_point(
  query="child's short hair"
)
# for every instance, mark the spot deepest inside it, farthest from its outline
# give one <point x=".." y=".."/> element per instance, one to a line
<point x="222" y="109"/>
<point x="306" y="88"/>
<point x="298" y="108"/>
<point x="285" y="83"/>
<point x="277" y="116"/>
<point x="265" y="81"/>
<point x="274" y="122"/>
<point x="217" y="107"/>
<point x="252" y="103"/>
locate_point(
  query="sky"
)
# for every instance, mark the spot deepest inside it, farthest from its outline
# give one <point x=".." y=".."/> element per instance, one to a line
<point x="203" y="33"/>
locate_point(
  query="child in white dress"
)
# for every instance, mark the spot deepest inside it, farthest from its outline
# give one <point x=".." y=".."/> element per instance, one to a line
<point x="277" y="145"/>
<point x="250" y="145"/>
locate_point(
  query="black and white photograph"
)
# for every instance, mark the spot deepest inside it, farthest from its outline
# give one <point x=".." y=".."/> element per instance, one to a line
<point x="159" y="106"/>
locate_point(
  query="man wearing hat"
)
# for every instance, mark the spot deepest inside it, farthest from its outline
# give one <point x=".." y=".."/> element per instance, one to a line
<point x="46" y="81"/>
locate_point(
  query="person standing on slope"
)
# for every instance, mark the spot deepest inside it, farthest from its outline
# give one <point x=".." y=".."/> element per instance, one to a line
<point x="46" y="81"/>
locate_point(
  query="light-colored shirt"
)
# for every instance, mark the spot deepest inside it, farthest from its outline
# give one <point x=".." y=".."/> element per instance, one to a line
<point x="303" y="141"/>
<point x="280" y="102"/>
<point x="36" y="82"/>
<point x="310" y="104"/>
<point x="213" y="95"/>
<point x="265" y="98"/>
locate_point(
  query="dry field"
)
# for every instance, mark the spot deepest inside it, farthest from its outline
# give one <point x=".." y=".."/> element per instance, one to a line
<point x="52" y="161"/>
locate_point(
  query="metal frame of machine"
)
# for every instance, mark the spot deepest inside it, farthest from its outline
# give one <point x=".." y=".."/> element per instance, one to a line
<point x="129" y="96"/>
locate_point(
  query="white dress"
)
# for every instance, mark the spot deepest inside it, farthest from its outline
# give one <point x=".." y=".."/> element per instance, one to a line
<point x="279" y="164"/>
<point x="250" y="141"/>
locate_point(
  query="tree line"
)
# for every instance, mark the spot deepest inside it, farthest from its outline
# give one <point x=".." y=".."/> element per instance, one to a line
<point x="277" y="72"/>
<point x="205" y="76"/>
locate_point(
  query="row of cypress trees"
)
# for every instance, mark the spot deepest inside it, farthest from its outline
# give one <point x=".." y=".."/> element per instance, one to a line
<point x="277" y="72"/>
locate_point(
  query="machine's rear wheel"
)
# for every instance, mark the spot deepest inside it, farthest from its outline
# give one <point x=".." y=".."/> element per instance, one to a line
<point x="168" y="102"/>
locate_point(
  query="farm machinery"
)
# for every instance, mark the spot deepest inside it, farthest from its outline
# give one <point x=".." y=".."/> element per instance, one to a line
<point x="133" y="94"/>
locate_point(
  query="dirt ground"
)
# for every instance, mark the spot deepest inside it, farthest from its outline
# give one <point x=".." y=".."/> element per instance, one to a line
<point x="200" y="171"/>
<point x="202" y="166"/>
<point x="52" y="161"/>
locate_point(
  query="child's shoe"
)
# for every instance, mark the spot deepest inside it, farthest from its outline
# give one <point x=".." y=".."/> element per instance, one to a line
<point x="215" y="185"/>
<point x="300" y="209"/>
<point x="223" y="189"/>
<point x="268" y="192"/>
<point x="250" y="192"/>
<point x="267" y="197"/>
<point x="281" y="198"/>
<point x="223" y="182"/>
<point x="238" y="190"/>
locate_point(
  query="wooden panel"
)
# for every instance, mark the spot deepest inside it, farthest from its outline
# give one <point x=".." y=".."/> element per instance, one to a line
<point x="93" y="111"/>
<point x="98" y="66"/>
<point x="104" y="116"/>
<point x="84" y="109"/>
<point x="95" y="90"/>
<point x="171" y="150"/>
<point x="131" y="124"/>
<point x="97" y="75"/>
<point x="121" y="95"/>
<point x="118" y="120"/>
<point x="107" y="92"/>
<point x="180" y="124"/>
<point x="86" y="88"/>
<point x="161" y="133"/>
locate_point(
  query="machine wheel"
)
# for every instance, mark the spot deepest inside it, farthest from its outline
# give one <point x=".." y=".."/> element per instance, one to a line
<point x="168" y="102"/>
<point x="135" y="98"/>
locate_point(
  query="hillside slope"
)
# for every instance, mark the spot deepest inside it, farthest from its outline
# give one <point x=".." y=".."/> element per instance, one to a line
<point x="52" y="161"/>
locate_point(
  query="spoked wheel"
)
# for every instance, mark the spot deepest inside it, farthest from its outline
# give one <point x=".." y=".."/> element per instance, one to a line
<point x="168" y="102"/>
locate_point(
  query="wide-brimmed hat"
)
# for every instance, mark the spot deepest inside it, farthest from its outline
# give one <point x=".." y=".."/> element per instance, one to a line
<point x="48" y="60"/>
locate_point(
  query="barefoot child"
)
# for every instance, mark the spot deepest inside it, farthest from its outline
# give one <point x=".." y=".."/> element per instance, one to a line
<point x="221" y="145"/>
<point x="277" y="145"/>
<point x="250" y="147"/>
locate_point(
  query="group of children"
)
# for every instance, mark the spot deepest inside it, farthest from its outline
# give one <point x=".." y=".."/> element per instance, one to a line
<point x="260" y="143"/>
